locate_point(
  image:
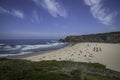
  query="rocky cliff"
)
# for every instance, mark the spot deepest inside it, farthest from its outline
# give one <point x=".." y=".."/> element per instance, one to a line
<point x="111" y="37"/>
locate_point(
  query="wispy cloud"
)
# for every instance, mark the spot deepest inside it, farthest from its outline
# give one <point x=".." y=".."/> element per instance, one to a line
<point x="2" y="10"/>
<point x="35" y="17"/>
<point x="100" y="12"/>
<point x="16" y="13"/>
<point x="53" y="7"/>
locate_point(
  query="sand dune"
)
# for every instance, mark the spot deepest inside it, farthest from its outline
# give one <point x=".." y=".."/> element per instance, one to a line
<point x="104" y="53"/>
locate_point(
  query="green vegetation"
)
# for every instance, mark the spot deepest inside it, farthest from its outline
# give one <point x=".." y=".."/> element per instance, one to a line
<point x="112" y="37"/>
<point x="98" y="77"/>
<point x="13" y="69"/>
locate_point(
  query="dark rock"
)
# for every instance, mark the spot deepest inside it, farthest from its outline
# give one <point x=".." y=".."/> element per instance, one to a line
<point x="112" y="37"/>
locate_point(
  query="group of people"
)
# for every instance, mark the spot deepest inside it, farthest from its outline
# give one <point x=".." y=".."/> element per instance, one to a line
<point x="97" y="49"/>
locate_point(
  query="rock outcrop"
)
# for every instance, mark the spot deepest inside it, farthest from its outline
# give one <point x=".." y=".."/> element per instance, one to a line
<point x="112" y="37"/>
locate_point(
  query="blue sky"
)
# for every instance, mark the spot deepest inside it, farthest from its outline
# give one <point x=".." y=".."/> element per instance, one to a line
<point x="42" y="19"/>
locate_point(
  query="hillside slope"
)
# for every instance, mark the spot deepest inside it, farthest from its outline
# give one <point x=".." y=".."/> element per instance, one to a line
<point x="112" y="37"/>
<point x="54" y="70"/>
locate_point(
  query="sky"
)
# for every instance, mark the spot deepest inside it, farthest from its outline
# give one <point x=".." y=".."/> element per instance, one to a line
<point x="54" y="19"/>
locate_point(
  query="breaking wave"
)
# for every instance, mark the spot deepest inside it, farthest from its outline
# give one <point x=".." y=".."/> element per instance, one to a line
<point x="13" y="50"/>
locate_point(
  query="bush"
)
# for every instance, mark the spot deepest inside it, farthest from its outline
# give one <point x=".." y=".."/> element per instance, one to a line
<point x="77" y="74"/>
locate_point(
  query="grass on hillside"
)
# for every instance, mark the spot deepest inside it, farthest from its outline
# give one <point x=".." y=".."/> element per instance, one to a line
<point x="54" y="70"/>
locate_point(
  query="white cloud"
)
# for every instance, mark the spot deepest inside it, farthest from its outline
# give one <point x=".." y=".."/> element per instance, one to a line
<point x="35" y="17"/>
<point x="16" y="13"/>
<point x="100" y="12"/>
<point x="91" y="2"/>
<point x="53" y="7"/>
<point x="2" y="10"/>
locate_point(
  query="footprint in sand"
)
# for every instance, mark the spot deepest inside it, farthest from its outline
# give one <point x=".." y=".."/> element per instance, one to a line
<point x="59" y="58"/>
<point x="85" y="55"/>
<point x="72" y="55"/>
<point x="43" y="56"/>
<point x="91" y="55"/>
<point x="80" y="51"/>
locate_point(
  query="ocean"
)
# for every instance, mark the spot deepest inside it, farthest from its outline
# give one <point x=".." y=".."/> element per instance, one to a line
<point x="28" y="46"/>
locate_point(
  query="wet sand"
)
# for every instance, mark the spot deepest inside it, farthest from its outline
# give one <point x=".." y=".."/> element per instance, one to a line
<point x="104" y="53"/>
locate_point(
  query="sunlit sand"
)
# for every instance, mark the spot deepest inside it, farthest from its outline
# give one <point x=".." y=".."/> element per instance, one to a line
<point x="104" y="53"/>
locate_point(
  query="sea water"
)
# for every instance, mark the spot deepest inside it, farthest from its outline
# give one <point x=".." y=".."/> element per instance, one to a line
<point x="28" y="46"/>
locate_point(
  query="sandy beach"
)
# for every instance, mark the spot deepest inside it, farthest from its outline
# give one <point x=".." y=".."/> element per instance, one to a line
<point x="104" y="53"/>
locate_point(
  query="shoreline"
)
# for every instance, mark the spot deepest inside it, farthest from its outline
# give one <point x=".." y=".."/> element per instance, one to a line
<point x="104" y="53"/>
<point x="26" y="55"/>
<point x="31" y="54"/>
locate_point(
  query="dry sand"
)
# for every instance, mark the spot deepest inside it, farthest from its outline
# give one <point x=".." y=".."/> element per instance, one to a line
<point x="104" y="53"/>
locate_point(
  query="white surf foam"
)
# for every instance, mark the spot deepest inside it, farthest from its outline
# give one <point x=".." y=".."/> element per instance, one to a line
<point x="29" y="47"/>
<point x="8" y="47"/>
<point x="6" y="55"/>
<point x="2" y="44"/>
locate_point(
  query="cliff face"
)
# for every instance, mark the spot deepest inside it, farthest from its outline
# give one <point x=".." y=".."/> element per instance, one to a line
<point x="112" y="37"/>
